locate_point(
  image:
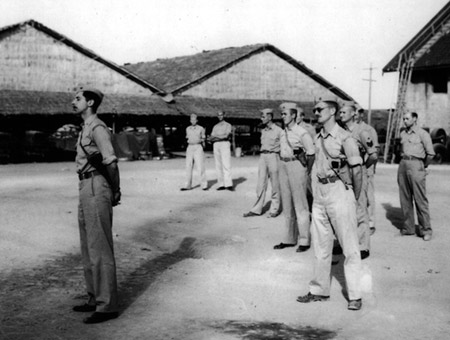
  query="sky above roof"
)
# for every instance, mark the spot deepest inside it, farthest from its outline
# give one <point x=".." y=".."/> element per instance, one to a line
<point x="338" y="39"/>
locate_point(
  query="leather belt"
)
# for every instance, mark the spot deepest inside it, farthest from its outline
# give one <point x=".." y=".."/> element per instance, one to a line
<point x="288" y="159"/>
<point x="327" y="180"/>
<point x="267" y="151"/>
<point x="411" y="158"/>
<point x="86" y="175"/>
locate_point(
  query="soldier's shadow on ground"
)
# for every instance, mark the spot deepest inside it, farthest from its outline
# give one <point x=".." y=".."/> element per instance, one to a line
<point x="394" y="214"/>
<point x="140" y="279"/>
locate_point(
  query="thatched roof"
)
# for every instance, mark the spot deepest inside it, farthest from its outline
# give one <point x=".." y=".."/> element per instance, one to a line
<point x="14" y="102"/>
<point x="430" y="46"/>
<point x="38" y="102"/>
<point x="234" y="108"/>
<point x="176" y="75"/>
<point x="5" y="31"/>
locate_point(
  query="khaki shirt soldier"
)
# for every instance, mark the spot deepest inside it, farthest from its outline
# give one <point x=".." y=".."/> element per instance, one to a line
<point x="268" y="166"/>
<point x="336" y="182"/>
<point x="195" y="136"/>
<point x="220" y="137"/>
<point x="369" y="154"/>
<point x="296" y="159"/>
<point x="99" y="191"/>
<point x="417" y="153"/>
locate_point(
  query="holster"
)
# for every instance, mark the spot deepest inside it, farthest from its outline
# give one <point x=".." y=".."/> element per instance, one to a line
<point x="301" y="156"/>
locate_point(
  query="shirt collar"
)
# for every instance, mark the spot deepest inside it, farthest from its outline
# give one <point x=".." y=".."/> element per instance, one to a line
<point x="332" y="133"/>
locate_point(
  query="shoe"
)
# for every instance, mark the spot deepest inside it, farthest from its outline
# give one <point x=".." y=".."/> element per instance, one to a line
<point x="204" y="189"/>
<point x="312" y="298"/>
<point x="84" y="308"/>
<point x="427" y="237"/>
<point x="272" y="215"/>
<point x="229" y="188"/>
<point x="250" y="214"/>
<point x="220" y="188"/>
<point x="406" y="233"/>
<point x="100" y="317"/>
<point x="337" y="250"/>
<point x="355" y="304"/>
<point x="364" y="254"/>
<point x="283" y="245"/>
<point x="372" y="230"/>
<point x="185" y="189"/>
<point x="301" y="249"/>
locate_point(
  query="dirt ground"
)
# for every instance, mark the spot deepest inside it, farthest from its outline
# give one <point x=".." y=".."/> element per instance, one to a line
<point x="191" y="267"/>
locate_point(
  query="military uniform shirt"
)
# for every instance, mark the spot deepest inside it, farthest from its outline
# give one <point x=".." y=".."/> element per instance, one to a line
<point x="270" y="138"/>
<point x="95" y="137"/>
<point x="195" y="134"/>
<point x="295" y="137"/>
<point x="363" y="139"/>
<point x="372" y="132"/>
<point x="221" y="130"/>
<point x="339" y="145"/>
<point x="417" y="143"/>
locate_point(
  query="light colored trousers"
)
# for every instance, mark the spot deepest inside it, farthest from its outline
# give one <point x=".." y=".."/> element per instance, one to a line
<point x="293" y="185"/>
<point x="371" y="195"/>
<point x="222" y="157"/>
<point x="195" y="157"/>
<point x="267" y="169"/>
<point x="362" y="214"/>
<point x="95" y="223"/>
<point x="412" y="186"/>
<point x="334" y="212"/>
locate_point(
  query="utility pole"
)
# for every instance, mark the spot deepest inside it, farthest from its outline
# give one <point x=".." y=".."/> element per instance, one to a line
<point x="370" y="80"/>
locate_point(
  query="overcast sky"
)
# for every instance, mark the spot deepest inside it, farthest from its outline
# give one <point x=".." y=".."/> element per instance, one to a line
<point x="338" y="39"/>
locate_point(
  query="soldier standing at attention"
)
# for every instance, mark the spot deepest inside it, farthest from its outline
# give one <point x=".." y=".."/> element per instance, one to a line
<point x="268" y="165"/>
<point x="370" y="170"/>
<point x="195" y="135"/>
<point x="99" y="189"/>
<point x="297" y="157"/>
<point x="369" y="156"/>
<point x="336" y="171"/>
<point x="417" y="153"/>
<point x="220" y="136"/>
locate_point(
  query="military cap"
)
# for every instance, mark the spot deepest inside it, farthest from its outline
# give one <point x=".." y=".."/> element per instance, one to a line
<point x="288" y="105"/>
<point x="266" y="111"/>
<point x="333" y="99"/>
<point x="96" y="92"/>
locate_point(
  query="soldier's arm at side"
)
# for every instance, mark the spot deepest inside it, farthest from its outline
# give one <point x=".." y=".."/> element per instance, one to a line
<point x="102" y="139"/>
<point x="309" y="151"/>
<point x="114" y="176"/>
<point x="369" y="146"/>
<point x="354" y="161"/>
<point x="429" y="150"/>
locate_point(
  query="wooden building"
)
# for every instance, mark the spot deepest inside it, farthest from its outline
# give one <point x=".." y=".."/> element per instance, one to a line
<point x="39" y="71"/>
<point x="239" y="80"/>
<point x="424" y="75"/>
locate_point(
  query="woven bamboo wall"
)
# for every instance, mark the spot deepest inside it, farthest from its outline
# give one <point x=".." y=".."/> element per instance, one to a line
<point x="32" y="60"/>
<point x="262" y="76"/>
<point x="433" y="108"/>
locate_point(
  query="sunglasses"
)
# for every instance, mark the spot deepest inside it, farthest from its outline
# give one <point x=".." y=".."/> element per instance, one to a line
<point x="319" y="109"/>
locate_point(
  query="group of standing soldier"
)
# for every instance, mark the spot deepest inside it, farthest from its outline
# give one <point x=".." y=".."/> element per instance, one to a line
<point x="323" y="183"/>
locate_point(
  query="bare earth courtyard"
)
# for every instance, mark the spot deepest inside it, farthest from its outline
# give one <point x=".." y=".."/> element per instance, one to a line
<point x="191" y="267"/>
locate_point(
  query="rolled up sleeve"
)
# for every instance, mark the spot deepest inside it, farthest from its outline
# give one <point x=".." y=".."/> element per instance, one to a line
<point x="352" y="152"/>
